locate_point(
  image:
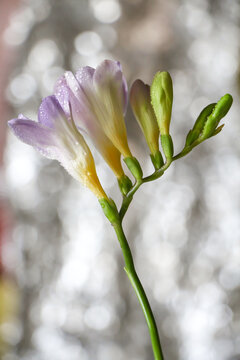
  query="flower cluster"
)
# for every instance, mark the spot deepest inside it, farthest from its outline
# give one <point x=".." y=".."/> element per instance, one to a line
<point x="93" y="102"/>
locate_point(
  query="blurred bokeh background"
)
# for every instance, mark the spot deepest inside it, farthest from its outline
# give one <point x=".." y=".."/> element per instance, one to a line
<point x="63" y="292"/>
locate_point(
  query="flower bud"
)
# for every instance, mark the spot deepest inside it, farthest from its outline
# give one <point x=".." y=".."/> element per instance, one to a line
<point x="194" y="134"/>
<point x="141" y="105"/>
<point x="162" y="98"/>
<point x="219" y="111"/>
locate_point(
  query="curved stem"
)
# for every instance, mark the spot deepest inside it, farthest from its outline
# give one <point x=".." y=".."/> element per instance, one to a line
<point x="136" y="284"/>
<point x="127" y="199"/>
<point x="157" y="174"/>
<point x="184" y="152"/>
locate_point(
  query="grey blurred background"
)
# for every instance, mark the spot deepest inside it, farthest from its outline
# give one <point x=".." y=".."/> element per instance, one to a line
<point x="63" y="291"/>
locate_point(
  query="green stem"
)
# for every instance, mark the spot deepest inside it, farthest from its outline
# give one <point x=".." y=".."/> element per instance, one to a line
<point x="127" y="199"/>
<point x="187" y="149"/>
<point x="157" y="174"/>
<point x="136" y="284"/>
<point x="183" y="153"/>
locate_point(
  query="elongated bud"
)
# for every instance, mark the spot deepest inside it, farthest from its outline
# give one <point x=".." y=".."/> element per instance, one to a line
<point x="141" y="105"/>
<point x="162" y="97"/>
<point x="134" y="166"/>
<point x="110" y="210"/>
<point x="199" y="125"/>
<point x="219" y="111"/>
<point x="125" y="184"/>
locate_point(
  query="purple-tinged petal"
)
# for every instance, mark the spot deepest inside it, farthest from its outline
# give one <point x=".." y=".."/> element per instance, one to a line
<point x="125" y="95"/>
<point x="85" y="76"/>
<point x="85" y="118"/>
<point x="124" y="89"/>
<point x="82" y="111"/>
<point x="72" y="93"/>
<point x="36" y="135"/>
<point x="50" y="111"/>
<point x="109" y="73"/>
<point x="21" y="116"/>
<point x="72" y="84"/>
<point x="62" y="142"/>
<point x="62" y="94"/>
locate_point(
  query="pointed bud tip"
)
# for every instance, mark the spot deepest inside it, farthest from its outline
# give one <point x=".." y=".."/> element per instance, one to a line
<point x="225" y="103"/>
<point x="220" y="110"/>
<point x="227" y="96"/>
<point x="138" y="89"/>
<point x="163" y="78"/>
<point x="222" y="107"/>
<point x="164" y="75"/>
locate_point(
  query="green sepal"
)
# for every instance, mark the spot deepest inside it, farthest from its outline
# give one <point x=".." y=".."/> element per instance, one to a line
<point x="219" y="111"/>
<point x="134" y="166"/>
<point x="199" y="124"/>
<point x="217" y="131"/>
<point x="110" y="210"/>
<point x="157" y="160"/>
<point x="167" y="146"/>
<point x="124" y="184"/>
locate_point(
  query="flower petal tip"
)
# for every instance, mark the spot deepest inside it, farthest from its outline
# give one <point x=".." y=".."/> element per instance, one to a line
<point x="11" y="123"/>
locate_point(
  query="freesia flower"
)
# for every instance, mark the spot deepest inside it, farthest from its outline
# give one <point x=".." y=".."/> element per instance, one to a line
<point x="99" y="98"/>
<point x="56" y="137"/>
<point x="87" y="121"/>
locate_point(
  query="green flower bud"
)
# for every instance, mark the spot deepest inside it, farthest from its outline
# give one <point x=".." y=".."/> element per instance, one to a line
<point x="219" y="111"/>
<point x="199" y="125"/>
<point x="162" y="97"/>
<point x="134" y="166"/>
<point x="141" y="105"/>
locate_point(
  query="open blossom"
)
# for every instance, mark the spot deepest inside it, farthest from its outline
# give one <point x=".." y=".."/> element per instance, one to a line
<point x="55" y="136"/>
<point x="86" y="121"/>
<point x="99" y="98"/>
